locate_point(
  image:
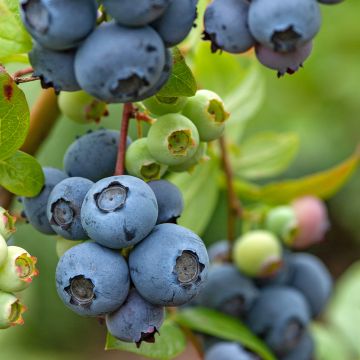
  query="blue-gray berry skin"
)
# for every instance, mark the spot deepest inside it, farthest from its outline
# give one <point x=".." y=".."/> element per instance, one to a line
<point x="228" y="351"/>
<point x="219" y="251"/>
<point x="59" y="25"/>
<point x="55" y="68"/>
<point x="132" y="61"/>
<point x="119" y="211"/>
<point x="226" y="26"/>
<point x="170" y="201"/>
<point x="170" y="266"/>
<point x="93" y="155"/>
<point x="303" y="351"/>
<point x="125" y="12"/>
<point x="35" y="207"/>
<point x="284" y="25"/>
<point x="64" y="205"/>
<point x="136" y="320"/>
<point x="176" y="22"/>
<point x="228" y="291"/>
<point x="280" y="316"/>
<point x="310" y="276"/>
<point x="92" y="280"/>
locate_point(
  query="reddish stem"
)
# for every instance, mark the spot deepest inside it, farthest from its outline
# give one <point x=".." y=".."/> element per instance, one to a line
<point x="128" y="113"/>
<point x="20" y="80"/>
<point x="23" y="72"/>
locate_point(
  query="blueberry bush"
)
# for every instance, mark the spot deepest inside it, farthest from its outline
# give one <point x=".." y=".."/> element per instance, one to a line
<point x="177" y="219"/>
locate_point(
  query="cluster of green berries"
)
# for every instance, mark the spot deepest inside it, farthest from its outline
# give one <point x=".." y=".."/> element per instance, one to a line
<point x="17" y="269"/>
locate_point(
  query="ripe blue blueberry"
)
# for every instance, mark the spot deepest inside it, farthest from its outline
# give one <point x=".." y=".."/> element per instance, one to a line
<point x="136" y="63"/>
<point x="303" y="351"/>
<point x="170" y="201"/>
<point x="170" y="266"/>
<point x="64" y="205"/>
<point x="126" y="13"/>
<point x="136" y="320"/>
<point x="35" y="207"/>
<point x="228" y="351"/>
<point x="93" y="155"/>
<point x="228" y="291"/>
<point x="176" y="22"/>
<point x="92" y="280"/>
<point x="280" y="316"/>
<point x="310" y="276"/>
<point x="226" y="26"/>
<point x="284" y="25"/>
<point x="57" y="24"/>
<point x="119" y="211"/>
<point x="55" y="68"/>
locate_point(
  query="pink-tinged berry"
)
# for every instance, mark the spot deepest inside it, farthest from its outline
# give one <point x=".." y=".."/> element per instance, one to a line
<point x="11" y="311"/>
<point x="17" y="272"/>
<point x="313" y="221"/>
<point x="7" y="223"/>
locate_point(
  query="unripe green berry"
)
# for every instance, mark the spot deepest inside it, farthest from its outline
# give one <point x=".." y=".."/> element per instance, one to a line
<point x="207" y="111"/>
<point x="10" y="310"/>
<point x="159" y="105"/>
<point x="173" y="139"/>
<point x="140" y="163"/>
<point x="63" y="245"/>
<point x="3" y="250"/>
<point x="258" y="253"/>
<point x="7" y="224"/>
<point x="282" y="221"/>
<point x="18" y="270"/>
<point x="81" y="107"/>
<point x="190" y="164"/>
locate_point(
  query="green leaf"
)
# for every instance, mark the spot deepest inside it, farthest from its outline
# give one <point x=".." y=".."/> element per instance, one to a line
<point x="264" y="155"/>
<point x="21" y="174"/>
<point x="214" y="323"/>
<point x="13" y="37"/>
<point x="323" y="184"/>
<point x="14" y="115"/>
<point x="170" y="343"/>
<point x="200" y="191"/>
<point x="182" y="81"/>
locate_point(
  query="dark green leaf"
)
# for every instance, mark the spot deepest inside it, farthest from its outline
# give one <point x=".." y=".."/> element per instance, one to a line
<point x="14" y="115"/>
<point x="214" y="323"/>
<point x="21" y="174"/>
<point x="264" y="155"/>
<point x="182" y="81"/>
<point x="170" y="343"/>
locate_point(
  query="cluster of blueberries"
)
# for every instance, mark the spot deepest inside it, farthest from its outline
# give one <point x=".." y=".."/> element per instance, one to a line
<point x="136" y="259"/>
<point x="17" y="269"/>
<point x="280" y="30"/>
<point x="123" y="60"/>
<point x="276" y="293"/>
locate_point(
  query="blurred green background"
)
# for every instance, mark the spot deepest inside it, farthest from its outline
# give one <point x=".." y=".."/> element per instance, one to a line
<point x="321" y="104"/>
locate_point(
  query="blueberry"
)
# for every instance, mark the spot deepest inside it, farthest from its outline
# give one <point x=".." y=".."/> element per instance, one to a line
<point x="57" y="24"/>
<point x="226" y="26"/>
<point x="207" y="111"/>
<point x="176" y="22"/>
<point x="11" y="310"/>
<point x="280" y="316"/>
<point x="132" y="61"/>
<point x="284" y="25"/>
<point x="219" y="252"/>
<point x="93" y="155"/>
<point x="18" y="270"/>
<point x="310" y="276"/>
<point x="228" y="291"/>
<point x="289" y="62"/>
<point x="303" y="351"/>
<point x="170" y="266"/>
<point x="3" y="250"/>
<point x="119" y="211"/>
<point x="140" y="163"/>
<point x="228" y="351"/>
<point x="173" y="139"/>
<point x="92" y="280"/>
<point x="126" y="13"/>
<point x="170" y="201"/>
<point x="35" y="207"/>
<point x="55" y="68"/>
<point x="159" y="105"/>
<point x="63" y="208"/>
<point x="136" y="320"/>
